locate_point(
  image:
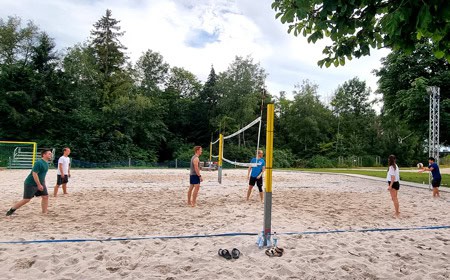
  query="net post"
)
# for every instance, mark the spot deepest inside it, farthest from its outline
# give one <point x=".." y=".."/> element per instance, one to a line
<point x="210" y="153"/>
<point x="268" y="183"/>
<point x="34" y="154"/>
<point x="220" y="157"/>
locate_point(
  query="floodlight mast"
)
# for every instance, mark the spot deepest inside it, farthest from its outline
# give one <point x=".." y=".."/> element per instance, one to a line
<point x="433" y="139"/>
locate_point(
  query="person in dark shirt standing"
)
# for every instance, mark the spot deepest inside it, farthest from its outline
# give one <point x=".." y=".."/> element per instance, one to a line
<point x="433" y="167"/>
<point x="34" y="184"/>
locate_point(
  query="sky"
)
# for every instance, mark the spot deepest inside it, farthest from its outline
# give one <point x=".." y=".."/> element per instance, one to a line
<point x="195" y="34"/>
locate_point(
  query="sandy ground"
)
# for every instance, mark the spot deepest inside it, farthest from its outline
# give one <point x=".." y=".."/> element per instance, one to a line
<point x="144" y="203"/>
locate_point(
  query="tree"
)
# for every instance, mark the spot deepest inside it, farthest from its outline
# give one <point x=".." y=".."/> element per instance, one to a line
<point x="403" y="79"/>
<point x="181" y="115"/>
<point x="29" y="80"/>
<point x="16" y="43"/>
<point x="240" y="88"/>
<point x="108" y="48"/>
<point x="308" y="123"/>
<point x="354" y="26"/>
<point x="357" y="133"/>
<point x="151" y="71"/>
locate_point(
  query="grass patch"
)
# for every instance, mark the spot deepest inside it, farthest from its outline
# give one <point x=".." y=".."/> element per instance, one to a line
<point x="414" y="177"/>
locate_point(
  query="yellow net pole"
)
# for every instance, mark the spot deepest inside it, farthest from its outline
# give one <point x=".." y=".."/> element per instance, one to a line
<point x="220" y="157"/>
<point x="269" y="164"/>
<point x="210" y="153"/>
<point x="34" y="154"/>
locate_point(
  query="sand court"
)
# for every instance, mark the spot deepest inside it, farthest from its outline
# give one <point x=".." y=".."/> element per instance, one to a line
<point x="121" y="203"/>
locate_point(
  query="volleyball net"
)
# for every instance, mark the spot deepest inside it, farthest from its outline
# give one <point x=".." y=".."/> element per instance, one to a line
<point x="218" y="150"/>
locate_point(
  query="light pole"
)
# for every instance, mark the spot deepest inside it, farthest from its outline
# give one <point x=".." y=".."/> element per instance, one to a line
<point x="433" y="139"/>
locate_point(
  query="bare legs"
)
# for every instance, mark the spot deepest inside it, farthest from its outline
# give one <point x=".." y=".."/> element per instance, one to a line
<point x="192" y="194"/>
<point x="44" y="204"/>
<point x="64" y="187"/>
<point x="394" y="197"/>
<point x="436" y="193"/>
<point x="249" y="192"/>
<point x="55" y="190"/>
<point x="21" y="203"/>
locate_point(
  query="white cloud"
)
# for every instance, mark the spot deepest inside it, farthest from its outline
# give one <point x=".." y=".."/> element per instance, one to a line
<point x="241" y="27"/>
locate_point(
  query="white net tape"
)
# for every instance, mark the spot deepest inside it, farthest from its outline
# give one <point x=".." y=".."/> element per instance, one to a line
<point x="258" y="120"/>
<point x="244" y="128"/>
<point x="240" y="163"/>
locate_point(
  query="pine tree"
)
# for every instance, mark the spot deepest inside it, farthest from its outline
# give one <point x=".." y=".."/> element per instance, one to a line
<point x="114" y="80"/>
<point x="108" y="48"/>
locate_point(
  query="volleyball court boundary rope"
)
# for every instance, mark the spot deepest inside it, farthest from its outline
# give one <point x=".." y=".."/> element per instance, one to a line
<point x="229" y="234"/>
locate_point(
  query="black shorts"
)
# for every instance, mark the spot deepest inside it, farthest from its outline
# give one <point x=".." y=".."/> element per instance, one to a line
<point x="259" y="182"/>
<point x="395" y="185"/>
<point x="62" y="180"/>
<point x="194" y="180"/>
<point x="31" y="191"/>
<point x="436" y="183"/>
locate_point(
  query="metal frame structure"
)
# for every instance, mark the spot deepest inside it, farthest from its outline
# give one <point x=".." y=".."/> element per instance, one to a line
<point x="433" y="138"/>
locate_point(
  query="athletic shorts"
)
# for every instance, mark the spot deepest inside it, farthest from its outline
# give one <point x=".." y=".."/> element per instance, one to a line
<point x="436" y="183"/>
<point x="62" y="180"/>
<point x="259" y="182"/>
<point x="194" y="180"/>
<point x="395" y="186"/>
<point x="31" y="191"/>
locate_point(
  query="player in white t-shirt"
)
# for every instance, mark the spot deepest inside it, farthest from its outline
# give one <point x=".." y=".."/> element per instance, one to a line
<point x="63" y="173"/>
<point x="393" y="179"/>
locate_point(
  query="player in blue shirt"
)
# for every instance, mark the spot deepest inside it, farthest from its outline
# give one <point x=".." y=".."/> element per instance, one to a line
<point x="435" y="173"/>
<point x="255" y="174"/>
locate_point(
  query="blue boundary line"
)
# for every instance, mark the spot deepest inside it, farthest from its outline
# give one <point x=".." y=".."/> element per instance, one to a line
<point x="220" y="235"/>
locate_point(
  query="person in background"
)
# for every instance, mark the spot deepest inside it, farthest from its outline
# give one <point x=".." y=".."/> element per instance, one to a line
<point x="433" y="167"/>
<point x="255" y="175"/>
<point x="63" y="173"/>
<point x="194" y="177"/>
<point x="393" y="178"/>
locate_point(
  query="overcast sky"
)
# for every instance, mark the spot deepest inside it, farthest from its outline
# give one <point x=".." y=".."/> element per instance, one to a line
<point x="195" y="34"/>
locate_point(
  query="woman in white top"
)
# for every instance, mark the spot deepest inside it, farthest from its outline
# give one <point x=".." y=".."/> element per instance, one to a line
<point x="393" y="178"/>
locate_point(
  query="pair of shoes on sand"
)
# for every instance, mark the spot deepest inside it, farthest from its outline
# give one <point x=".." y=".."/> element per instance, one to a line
<point x="235" y="253"/>
<point x="275" y="252"/>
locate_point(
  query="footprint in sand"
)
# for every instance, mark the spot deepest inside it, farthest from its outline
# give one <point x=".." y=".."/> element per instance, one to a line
<point x="24" y="263"/>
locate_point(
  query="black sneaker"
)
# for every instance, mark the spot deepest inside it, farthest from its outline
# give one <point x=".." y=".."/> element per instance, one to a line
<point x="10" y="212"/>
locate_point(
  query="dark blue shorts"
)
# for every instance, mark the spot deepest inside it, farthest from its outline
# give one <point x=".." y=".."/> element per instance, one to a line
<point x="436" y="183"/>
<point x="194" y="180"/>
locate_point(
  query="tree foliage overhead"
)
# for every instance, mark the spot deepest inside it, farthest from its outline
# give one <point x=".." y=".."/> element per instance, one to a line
<point x="403" y="82"/>
<point x="355" y="26"/>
